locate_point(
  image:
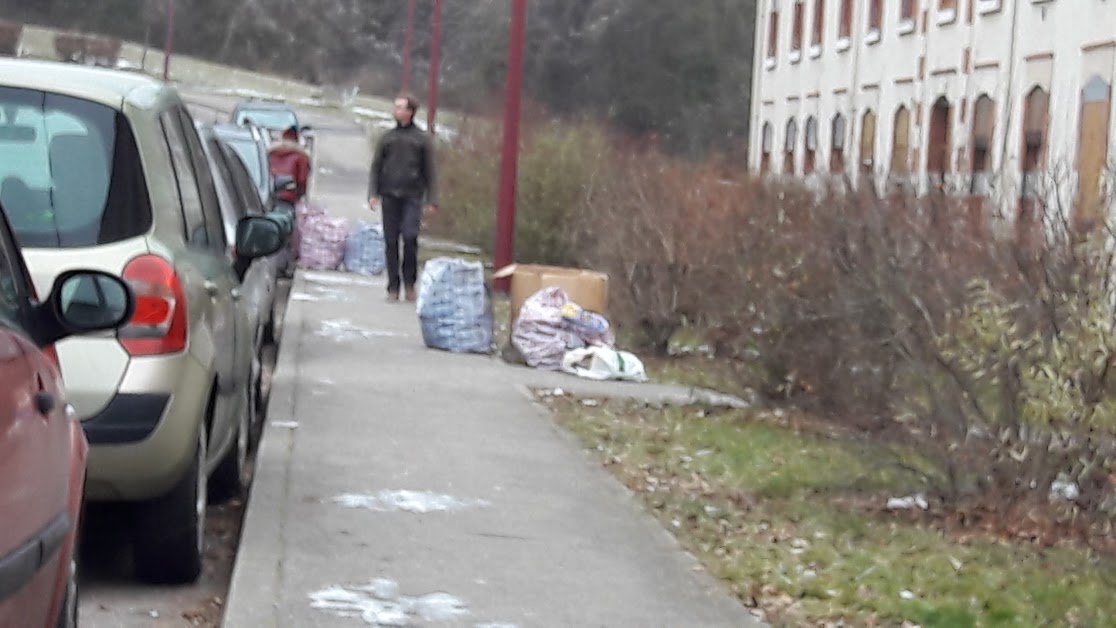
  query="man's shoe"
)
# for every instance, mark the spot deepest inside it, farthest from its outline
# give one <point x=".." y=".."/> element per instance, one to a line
<point x="393" y="297"/>
<point x="412" y="296"/>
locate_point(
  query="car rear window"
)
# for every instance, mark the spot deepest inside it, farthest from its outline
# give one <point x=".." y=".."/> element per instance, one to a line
<point x="270" y="118"/>
<point x="70" y="173"/>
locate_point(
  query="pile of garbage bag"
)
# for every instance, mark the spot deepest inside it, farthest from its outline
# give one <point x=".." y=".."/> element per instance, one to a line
<point x="554" y="333"/>
<point x="322" y="243"/>
<point x="454" y="306"/>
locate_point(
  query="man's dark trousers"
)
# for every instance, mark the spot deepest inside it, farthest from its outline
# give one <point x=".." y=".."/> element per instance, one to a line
<point x="402" y="217"/>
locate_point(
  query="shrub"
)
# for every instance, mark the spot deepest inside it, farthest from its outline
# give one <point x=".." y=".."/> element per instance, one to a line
<point x="559" y="169"/>
<point x="469" y="170"/>
<point x="929" y="321"/>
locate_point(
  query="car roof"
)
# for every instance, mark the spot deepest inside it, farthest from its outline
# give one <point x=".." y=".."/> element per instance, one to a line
<point x="255" y="103"/>
<point x="228" y="130"/>
<point x="106" y="86"/>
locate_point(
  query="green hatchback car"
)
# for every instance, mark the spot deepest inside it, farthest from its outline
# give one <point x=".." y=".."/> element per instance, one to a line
<point x="102" y="169"/>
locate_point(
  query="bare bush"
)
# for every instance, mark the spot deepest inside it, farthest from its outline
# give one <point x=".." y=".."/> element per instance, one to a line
<point x="560" y="170"/>
<point x="983" y="339"/>
<point x="11" y="34"/>
<point x="85" y="48"/>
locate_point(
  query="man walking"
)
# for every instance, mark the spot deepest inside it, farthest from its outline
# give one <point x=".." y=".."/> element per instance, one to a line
<point x="403" y="184"/>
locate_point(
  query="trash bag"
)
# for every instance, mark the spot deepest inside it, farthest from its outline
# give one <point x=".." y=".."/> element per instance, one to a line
<point x="454" y="306"/>
<point x="591" y="327"/>
<point x="549" y="325"/>
<point x="322" y="245"/>
<point x="364" y="250"/>
<point x="302" y="213"/>
<point x="598" y="362"/>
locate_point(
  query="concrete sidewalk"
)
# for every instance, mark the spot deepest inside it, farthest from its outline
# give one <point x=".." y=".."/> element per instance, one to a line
<point x="405" y="486"/>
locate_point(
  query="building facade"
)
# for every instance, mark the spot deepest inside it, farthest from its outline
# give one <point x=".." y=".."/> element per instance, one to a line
<point x="990" y="98"/>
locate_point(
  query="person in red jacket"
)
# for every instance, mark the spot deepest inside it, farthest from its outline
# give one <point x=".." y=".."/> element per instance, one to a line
<point x="288" y="158"/>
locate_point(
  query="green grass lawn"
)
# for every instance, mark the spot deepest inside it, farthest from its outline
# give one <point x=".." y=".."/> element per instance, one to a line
<point x="769" y="510"/>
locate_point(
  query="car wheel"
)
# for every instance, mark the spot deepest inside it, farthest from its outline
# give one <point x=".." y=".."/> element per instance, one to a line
<point x="170" y="542"/>
<point x="231" y="476"/>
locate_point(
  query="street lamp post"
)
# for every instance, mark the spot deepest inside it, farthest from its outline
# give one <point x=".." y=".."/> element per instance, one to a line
<point x="168" y="43"/>
<point x="509" y="170"/>
<point x="408" y="40"/>
<point x="435" y="62"/>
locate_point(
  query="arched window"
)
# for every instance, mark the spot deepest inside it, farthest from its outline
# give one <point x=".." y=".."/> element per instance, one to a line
<point x="845" y="29"/>
<point x="773" y="32"/>
<point x="797" y="26"/>
<point x="811" y="145"/>
<point x="837" y="145"/>
<point x="1092" y="148"/>
<point x="868" y="143"/>
<point x="788" y="146"/>
<point x="901" y="144"/>
<point x="767" y="140"/>
<point x="819" y="23"/>
<point x="984" y="126"/>
<point x="875" y="16"/>
<point x="940" y="142"/>
<point x="1036" y="120"/>
<point x="907" y="10"/>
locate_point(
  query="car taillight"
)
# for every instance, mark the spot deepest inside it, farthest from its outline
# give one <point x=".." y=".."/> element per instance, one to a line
<point x="52" y="356"/>
<point x="158" y="326"/>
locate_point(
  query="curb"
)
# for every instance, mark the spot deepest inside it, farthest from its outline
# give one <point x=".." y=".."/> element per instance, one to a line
<point x="256" y="582"/>
<point x="640" y="392"/>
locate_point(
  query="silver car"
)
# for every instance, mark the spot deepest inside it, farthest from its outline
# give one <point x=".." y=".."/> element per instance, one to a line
<point x="260" y="277"/>
<point x="103" y="170"/>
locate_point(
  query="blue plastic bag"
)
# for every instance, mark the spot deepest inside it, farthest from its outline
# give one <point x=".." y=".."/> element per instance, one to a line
<point x="364" y="249"/>
<point x="454" y="306"/>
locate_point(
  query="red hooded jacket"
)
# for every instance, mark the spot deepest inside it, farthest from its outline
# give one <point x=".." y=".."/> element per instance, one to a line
<point x="287" y="158"/>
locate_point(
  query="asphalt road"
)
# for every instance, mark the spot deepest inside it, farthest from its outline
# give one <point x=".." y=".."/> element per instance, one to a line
<point x="110" y="597"/>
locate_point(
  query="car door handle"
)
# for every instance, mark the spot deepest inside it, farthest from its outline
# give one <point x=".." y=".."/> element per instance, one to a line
<point x="212" y="288"/>
<point x="44" y="402"/>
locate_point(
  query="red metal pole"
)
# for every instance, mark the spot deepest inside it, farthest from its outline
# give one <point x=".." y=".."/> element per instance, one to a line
<point x="408" y="38"/>
<point x="509" y="171"/>
<point x="169" y="42"/>
<point x="435" y="62"/>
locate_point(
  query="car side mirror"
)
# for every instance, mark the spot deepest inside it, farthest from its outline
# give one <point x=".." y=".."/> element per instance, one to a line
<point x="258" y="236"/>
<point x="83" y="301"/>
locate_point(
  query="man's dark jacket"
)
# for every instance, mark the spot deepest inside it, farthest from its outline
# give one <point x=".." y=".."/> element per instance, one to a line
<point x="403" y="166"/>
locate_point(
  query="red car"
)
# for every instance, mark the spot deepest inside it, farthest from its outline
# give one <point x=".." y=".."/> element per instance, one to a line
<point x="42" y="447"/>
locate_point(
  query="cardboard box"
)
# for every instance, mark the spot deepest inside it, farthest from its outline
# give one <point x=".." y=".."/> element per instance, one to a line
<point x="587" y="288"/>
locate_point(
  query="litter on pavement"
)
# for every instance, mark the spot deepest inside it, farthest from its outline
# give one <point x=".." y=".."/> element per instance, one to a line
<point x="407" y="501"/>
<point x="379" y="603"/>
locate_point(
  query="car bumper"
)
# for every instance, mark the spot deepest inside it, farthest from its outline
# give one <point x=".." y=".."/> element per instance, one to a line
<point x="143" y="440"/>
